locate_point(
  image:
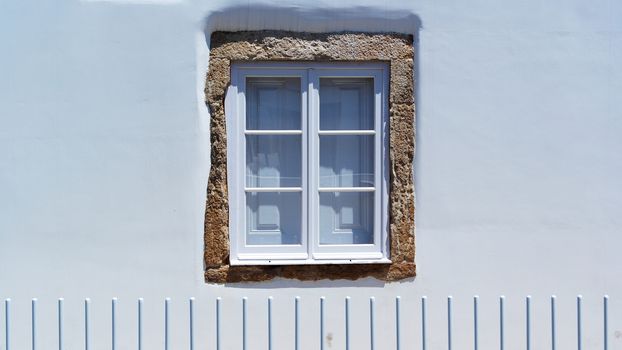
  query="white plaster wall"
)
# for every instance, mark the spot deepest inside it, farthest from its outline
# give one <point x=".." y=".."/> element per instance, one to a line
<point x="104" y="159"/>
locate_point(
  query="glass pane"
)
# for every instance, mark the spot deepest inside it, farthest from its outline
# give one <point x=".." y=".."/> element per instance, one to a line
<point x="273" y="160"/>
<point x="346" y="104"/>
<point x="346" y="218"/>
<point x="346" y="161"/>
<point x="273" y="218"/>
<point x="273" y="104"/>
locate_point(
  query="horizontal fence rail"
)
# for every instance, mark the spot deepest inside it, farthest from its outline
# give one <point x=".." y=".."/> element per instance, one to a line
<point x="393" y="318"/>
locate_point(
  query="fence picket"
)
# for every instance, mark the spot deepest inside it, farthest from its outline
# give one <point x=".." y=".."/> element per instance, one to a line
<point x="114" y="323"/>
<point x="191" y="323"/>
<point x="347" y="322"/>
<point x="398" y="341"/>
<point x="297" y="323"/>
<point x="218" y="300"/>
<point x="553" y="324"/>
<point x="244" y="321"/>
<point x="7" y="324"/>
<point x="371" y="323"/>
<point x="423" y="323"/>
<point x="87" y="328"/>
<point x="139" y="329"/>
<point x="269" y="323"/>
<point x="167" y="339"/>
<point x="33" y="326"/>
<point x="475" y="325"/>
<point x="60" y="324"/>
<point x="579" y="323"/>
<point x="501" y="322"/>
<point x="605" y="322"/>
<point x="322" y="323"/>
<point x="449" y="299"/>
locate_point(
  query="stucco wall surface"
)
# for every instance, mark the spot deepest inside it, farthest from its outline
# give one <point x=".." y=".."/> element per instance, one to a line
<point x="104" y="156"/>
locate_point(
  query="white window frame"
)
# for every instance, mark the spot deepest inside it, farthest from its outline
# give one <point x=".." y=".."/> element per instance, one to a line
<point x="309" y="251"/>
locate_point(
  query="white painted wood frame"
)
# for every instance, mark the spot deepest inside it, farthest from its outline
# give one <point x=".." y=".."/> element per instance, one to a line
<point x="309" y="251"/>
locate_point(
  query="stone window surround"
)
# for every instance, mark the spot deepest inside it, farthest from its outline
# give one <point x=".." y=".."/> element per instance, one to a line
<point x="247" y="46"/>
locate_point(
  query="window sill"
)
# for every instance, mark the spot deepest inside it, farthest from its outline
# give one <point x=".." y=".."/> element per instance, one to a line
<point x="378" y="269"/>
<point x="258" y="262"/>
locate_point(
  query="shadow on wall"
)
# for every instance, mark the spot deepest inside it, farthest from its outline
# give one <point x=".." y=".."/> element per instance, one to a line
<point x="299" y="19"/>
<point x="277" y="283"/>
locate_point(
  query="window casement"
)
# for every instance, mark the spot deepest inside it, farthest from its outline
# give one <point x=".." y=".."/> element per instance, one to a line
<point x="307" y="163"/>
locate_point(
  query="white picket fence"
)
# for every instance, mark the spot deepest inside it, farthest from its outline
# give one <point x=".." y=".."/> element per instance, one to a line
<point x="216" y="333"/>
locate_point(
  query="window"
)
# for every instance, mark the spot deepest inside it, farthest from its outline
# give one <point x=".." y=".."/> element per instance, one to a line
<point x="307" y="163"/>
<point x="310" y="199"/>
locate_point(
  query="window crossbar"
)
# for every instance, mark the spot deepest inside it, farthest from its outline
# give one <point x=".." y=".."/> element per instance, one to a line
<point x="273" y="189"/>
<point x="346" y="189"/>
<point x="347" y="132"/>
<point x="273" y="132"/>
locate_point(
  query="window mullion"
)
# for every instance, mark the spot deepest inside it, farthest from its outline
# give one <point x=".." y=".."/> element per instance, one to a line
<point x="313" y="161"/>
<point x="304" y="126"/>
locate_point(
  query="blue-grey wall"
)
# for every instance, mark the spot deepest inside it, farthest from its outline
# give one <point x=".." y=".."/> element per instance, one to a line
<point x="104" y="156"/>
